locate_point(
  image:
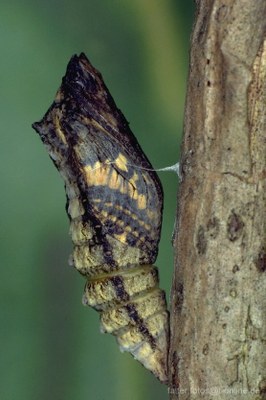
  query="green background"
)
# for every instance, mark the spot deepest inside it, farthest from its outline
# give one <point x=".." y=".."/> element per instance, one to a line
<point x="51" y="347"/>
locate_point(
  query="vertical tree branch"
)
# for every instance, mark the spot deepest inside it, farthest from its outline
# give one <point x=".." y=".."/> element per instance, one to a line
<point x="218" y="313"/>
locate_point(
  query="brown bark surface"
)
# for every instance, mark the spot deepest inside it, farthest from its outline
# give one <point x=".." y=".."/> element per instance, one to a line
<point x="218" y="313"/>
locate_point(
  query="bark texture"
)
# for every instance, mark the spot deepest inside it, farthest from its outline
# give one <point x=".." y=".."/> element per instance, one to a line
<point x="218" y="313"/>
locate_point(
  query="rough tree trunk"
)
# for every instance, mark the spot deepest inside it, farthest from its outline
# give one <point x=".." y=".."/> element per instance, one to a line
<point x="218" y="316"/>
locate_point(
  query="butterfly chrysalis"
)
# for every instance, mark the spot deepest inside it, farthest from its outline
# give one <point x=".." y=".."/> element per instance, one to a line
<point x="115" y="212"/>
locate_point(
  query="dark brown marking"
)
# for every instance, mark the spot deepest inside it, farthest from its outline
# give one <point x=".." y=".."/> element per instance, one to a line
<point x="174" y="370"/>
<point x="179" y="297"/>
<point x="235" y="226"/>
<point x="201" y="241"/>
<point x="117" y="282"/>
<point x="235" y="268"/>
<point x="260" y="262"/>
<point x="140" y="324"/>
<point x="262" y="388"/>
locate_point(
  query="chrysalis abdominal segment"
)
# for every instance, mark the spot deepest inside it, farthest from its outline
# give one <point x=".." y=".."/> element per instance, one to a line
<point x="115" y="212"/>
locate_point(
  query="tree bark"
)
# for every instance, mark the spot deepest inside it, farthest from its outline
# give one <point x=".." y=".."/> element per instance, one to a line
<point x="218" y="304"/>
